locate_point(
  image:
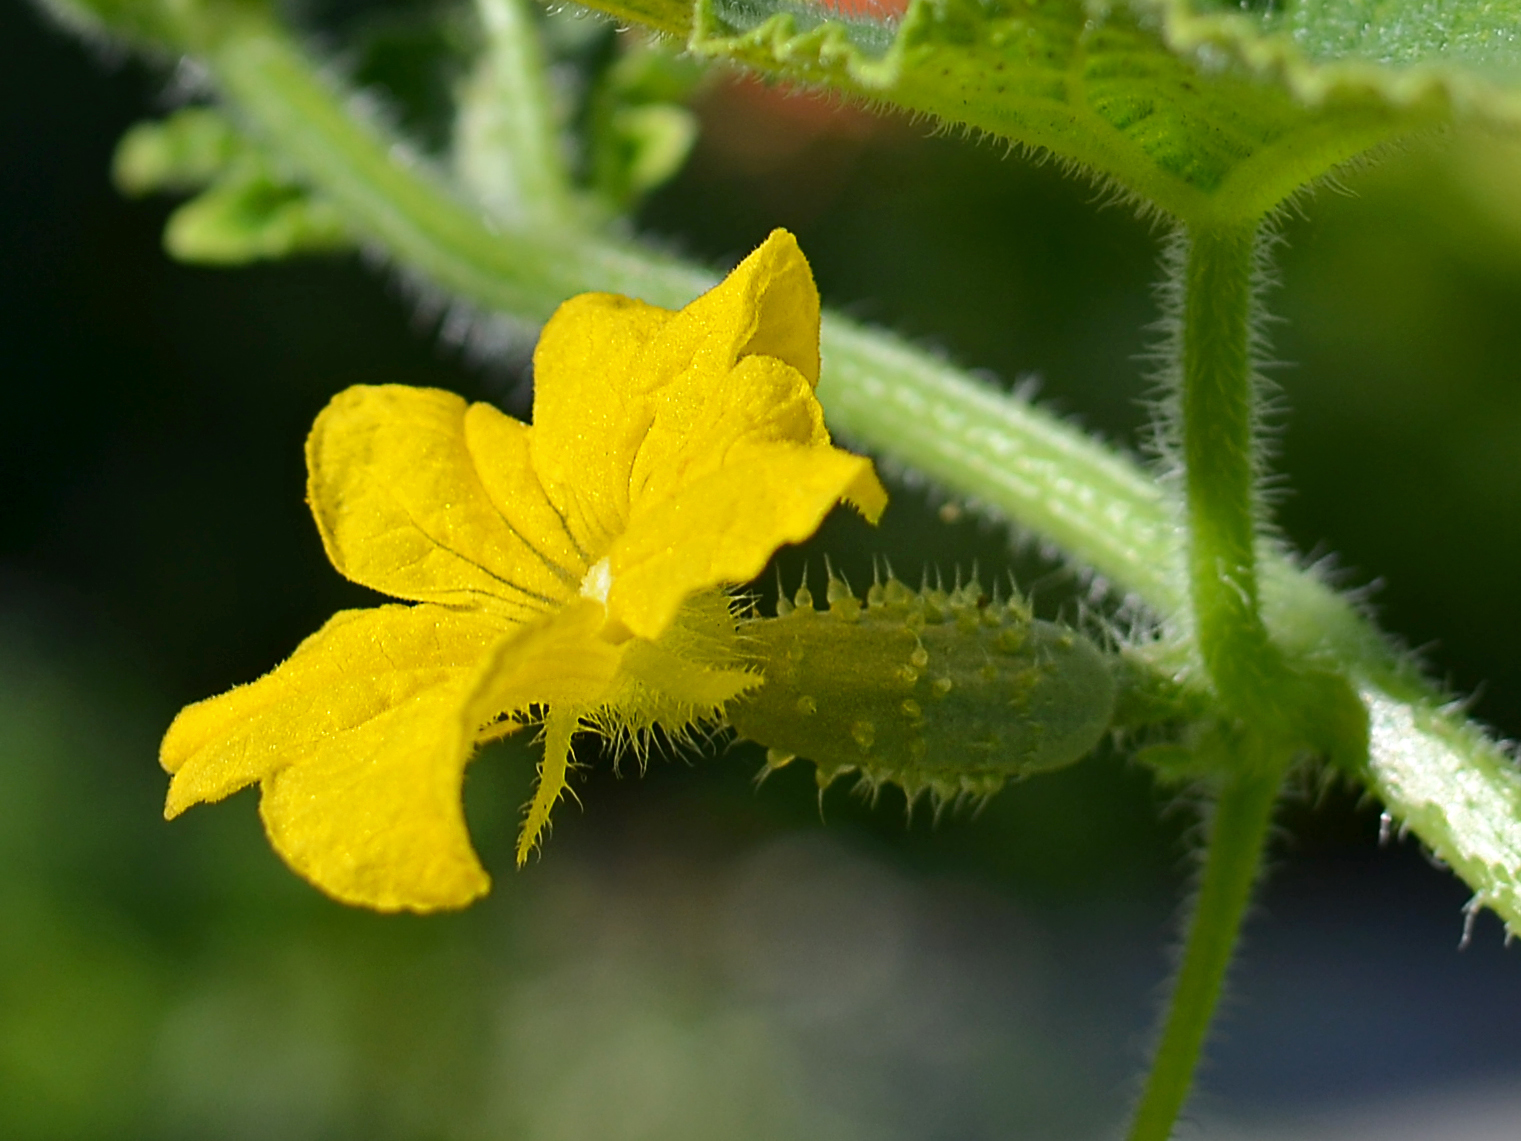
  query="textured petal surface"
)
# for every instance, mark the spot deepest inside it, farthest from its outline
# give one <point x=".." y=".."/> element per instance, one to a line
<point x="588" y="416"/>
<point x="609" y="371"/>
<point x="367" y="830"/>
<point x="768" y="306"/>
<point x="393" y="484"/>
<point x="700" y="421"/>
<point x="557" y="661"/>
<point x="500" y="451"/>
<point x="359" y="742"/>
<point x="723" y="527"/>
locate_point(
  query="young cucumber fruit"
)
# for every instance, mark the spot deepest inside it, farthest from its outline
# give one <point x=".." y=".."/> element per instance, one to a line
<point x="947" y="692"/>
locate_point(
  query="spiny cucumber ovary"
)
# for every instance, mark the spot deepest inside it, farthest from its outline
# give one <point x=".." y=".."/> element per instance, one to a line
<point x="947" y="692"/>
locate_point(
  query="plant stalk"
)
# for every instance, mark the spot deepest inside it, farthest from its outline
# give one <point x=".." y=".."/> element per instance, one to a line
<point x="1219" y="427"/>
<point x="1238" y="833"/>
<point x="404" y="208"/>
<point x="506" y="141"/>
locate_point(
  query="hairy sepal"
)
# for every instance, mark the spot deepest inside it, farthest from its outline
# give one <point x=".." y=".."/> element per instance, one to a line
<point x="676" y="685"/>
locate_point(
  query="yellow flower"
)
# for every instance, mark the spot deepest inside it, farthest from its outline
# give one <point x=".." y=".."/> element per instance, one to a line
<point x="567" y="569"/>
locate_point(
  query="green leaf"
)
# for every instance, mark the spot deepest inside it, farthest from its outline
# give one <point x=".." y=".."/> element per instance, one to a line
<point x="655" y="139"/>
<point x="638" y="132"/>
<point x="251" y="217"/>
<point x="1100" y="89"/>
<point x="246" y="211"/>
<point x="1213" y="117"/>
<point x="140" y="22"/>
<point x="182" y="153"/>
<point x="1448" y="54"/>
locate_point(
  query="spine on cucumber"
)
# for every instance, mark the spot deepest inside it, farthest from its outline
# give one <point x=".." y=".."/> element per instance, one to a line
<point x="950" y="693"/>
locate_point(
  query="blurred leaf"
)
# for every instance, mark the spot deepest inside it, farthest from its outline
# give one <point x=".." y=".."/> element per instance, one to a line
<point x="77" y="998"/>
<point x="646" y="146"/>
<point x="245" y="212"/>
<point x="182" y="153"/>
<point x="409" y="64"/>
<point x="150" y="24"/>
<point x="639" y="132"/>
<point x="1098" y="86"/>
<point x="1204" y="109"/>
<point x="251" y="217"/>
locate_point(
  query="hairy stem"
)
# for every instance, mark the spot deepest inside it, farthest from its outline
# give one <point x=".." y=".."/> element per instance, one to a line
<point x="1238" y="832"/>
<point x="1218" y="413"/>
<point x="1007" y="455"/>
<point x="1458" y="790"/>
<point x="396" y="202"/>
<point x="506" y="143"/>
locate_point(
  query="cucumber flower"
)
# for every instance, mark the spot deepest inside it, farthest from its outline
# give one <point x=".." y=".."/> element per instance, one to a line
<point x="568" y="572"/>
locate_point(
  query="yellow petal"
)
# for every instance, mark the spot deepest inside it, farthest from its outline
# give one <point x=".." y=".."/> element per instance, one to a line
<point x="606" y="368"/>
<point x="358" y="740"/>
<point x="559" y="660"/>
<point x="393" y="485"/>
<point x="589" y="418"/>
<point x="724" y="527"/>
<point x="699" y="424"/>
<point x="500" y="450"/>
<point x="768" y="306"/>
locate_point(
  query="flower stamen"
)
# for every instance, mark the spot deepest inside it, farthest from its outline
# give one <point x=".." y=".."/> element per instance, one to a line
<point x="598" y="581"/>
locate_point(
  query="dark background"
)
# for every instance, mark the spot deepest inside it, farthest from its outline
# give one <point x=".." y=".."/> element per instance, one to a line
<point x="695" y="957"/>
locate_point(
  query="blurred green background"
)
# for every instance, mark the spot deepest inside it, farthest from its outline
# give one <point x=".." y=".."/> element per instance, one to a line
<point x="695" y="957"/>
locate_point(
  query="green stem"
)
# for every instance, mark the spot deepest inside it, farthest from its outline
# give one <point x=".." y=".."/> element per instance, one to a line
<point x="1459" y="791"/>
<point x="506" y="142"/>
<point x="1007" y="455"/>
<point x="1218" y="413"/>
<point x="395" y="201"/>
<point x="1218" y="407"/>
<point x="1238" y="833"/>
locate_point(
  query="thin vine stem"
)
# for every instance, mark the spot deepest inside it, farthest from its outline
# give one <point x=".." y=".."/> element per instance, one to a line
<point x="1237" y="834"/>
<point x="1459" y="791"/>
<point x="506" y="147"/>
<point x="1217" y="410"/>
<point x="406" y="209"/>
<point x="1218" y="427"/>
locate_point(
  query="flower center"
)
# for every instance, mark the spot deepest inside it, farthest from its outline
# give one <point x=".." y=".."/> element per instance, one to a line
<point x="598" y="581"/>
